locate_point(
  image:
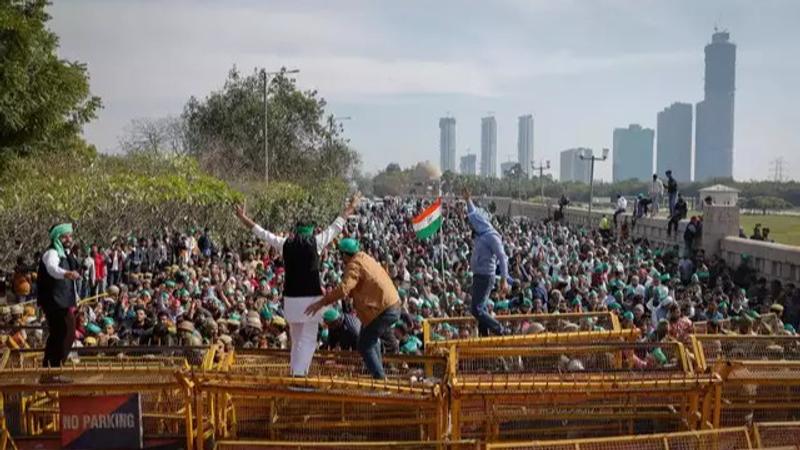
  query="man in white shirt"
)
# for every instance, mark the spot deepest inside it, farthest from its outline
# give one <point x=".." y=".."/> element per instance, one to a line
<point x="656" y="194"/>
<point x="57" y="297"/>
<point x="300" y="253"/>
<point x="622" y="205"/>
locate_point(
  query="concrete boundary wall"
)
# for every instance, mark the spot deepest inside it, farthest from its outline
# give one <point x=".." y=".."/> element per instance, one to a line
<point x="773" y="261"/>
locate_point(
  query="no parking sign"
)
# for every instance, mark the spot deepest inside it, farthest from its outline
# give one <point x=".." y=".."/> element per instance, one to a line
<point x="101" y="422"/>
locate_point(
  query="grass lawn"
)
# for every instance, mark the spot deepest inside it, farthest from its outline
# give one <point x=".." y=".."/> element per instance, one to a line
<point x="783" y="229"/>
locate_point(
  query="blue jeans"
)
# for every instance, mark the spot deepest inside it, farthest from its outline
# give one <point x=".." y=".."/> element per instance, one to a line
<point x="481" y="288"/>
<point x="369" y="344"/>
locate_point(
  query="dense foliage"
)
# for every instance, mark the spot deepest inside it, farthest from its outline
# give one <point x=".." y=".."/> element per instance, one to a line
<point x="225" y="131"/>
<point x="44" y="100"/>
<point x="139" y="195"/>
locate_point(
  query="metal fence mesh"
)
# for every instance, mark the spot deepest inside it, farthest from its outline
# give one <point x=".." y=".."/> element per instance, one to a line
<point x="574" y="361"/>
<point x="340" y="364"/>
<point x="520" y="324"/>
<point x="722" y="439"/>
<point x="784" y="435"/>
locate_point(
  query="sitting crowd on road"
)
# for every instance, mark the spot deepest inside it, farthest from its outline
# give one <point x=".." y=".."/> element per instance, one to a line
<point x="175" y="288"/>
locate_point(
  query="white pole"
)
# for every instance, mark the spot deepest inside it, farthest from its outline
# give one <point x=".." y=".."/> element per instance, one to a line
<point x="441" y="230"/>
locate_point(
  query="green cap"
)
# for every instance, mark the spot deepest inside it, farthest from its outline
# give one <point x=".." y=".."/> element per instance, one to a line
<point x="665" y="277"/>
<point x="349" y="246"/>
<point x="266" y="314"/>
<point x="659" y="355"/>
<point x="789" y="327"/>
<point x="527" y="302"/>
<point x="627" y="315"/>
<point x="93" y="328"/>
<point x="615" y="306"/>
<point x="108" y="321"/>
<point x="501" y="305"/>
<point x="330" y="315"/>
<point x="169" y="284"/>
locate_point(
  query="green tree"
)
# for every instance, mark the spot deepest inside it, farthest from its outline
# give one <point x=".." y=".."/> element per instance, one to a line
<point x="44" y="100"/>
<point x="766" y="203"/>
<point x="225" y="131"/>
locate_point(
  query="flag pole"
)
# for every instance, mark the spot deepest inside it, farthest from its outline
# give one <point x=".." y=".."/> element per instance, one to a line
<point x="441" y="229"/>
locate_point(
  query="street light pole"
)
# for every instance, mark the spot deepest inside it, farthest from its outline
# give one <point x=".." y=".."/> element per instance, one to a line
<point x="541" y="168"/>
<point x="589" y="156"/>
<point x="266" y="76"/>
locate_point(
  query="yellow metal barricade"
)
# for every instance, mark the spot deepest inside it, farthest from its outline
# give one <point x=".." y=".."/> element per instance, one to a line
<point x="777" y="435"/>
<point x="521" y="324"/>
<point x="761" y="376"/>
<point x="565" y="338"/>
<point x="718" y="439"/>
<point x="355" y="445"/>
<point x="560" y="391"/>
<point x="253" y="398"/>
<point x="156" y="376"/>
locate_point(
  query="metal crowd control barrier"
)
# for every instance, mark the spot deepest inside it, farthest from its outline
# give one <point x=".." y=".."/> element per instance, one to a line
<point x="154" y="373"/>
<point x="576" y="337"/>
<point x="777" y="435"/>
<point x="761" y="376"/>
<point x="556" y="391"/>
<point x="719" y="439"/>
<point x="765" y="324"/>
<point x="251" y="397"/>
<point x="299" y="445"/>
<point x="521" y="324"/>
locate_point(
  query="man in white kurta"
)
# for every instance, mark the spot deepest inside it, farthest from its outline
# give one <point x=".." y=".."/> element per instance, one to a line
<point x="300" y="253"/>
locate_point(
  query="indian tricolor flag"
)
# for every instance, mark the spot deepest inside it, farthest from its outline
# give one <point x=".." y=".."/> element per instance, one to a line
<point x="429" y="222"/>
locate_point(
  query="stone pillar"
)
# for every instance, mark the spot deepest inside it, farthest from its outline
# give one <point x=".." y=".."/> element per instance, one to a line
<point x="718" y="223"/>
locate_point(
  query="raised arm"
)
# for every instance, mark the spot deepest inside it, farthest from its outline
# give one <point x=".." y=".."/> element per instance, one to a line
<point x="329" y="234"/>
<point x="273" y="240"/>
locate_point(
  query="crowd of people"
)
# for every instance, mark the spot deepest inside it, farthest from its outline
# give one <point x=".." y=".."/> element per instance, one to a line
<point x="190" y="288"/>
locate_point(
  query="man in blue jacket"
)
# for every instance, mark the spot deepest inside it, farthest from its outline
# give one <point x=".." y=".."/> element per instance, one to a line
<point x="488" y="255"/>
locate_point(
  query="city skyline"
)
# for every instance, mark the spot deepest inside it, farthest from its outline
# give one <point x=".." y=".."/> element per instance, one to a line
<point x="447" y="144"/>
<point x="583" y="68"/>
<point x="488" y="147"/>
<point x="714" y="116"/>
<point x="632" y="153"/>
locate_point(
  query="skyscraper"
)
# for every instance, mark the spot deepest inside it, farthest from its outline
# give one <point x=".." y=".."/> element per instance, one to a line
<point x="447" y="144"/>
<point x="525" y="143"/>
<point x="488" y="147"/>
<point x="573" y="168"/>
<point x="674" y="141"/>
<point x="633" y="153"/>
<point x="469" y="165"/>
<point x="714" y="131"/>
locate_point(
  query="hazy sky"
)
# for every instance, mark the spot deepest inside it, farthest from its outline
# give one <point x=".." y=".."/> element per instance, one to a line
<point x="580" y="67"/>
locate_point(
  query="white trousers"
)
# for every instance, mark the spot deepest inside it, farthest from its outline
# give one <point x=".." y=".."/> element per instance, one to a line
<point x="303" y="331"/>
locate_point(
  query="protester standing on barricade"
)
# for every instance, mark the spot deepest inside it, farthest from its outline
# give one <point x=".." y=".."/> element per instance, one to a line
<point x="488" y="255"/>
<point x="656" y="194"/>
<point x="301" y="255"/>
<point x="672" y="192"/>
<point x="375" y="300"/>
<point x="58" y="272"/>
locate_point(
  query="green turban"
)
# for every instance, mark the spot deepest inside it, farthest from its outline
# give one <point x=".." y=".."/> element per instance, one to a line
<point x="349" y="246"/>
<point x="55" y="237"/>
<point x="331" y="315"/>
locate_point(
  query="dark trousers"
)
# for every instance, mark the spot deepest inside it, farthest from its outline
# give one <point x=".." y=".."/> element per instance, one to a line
<point x="481" y="288"/>
<point x="673" y="224"/>
<point x="369" y="340"/>
<point x="61" y="328"/>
